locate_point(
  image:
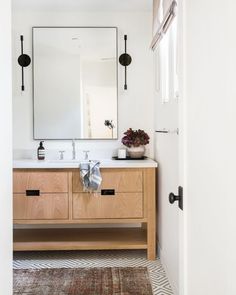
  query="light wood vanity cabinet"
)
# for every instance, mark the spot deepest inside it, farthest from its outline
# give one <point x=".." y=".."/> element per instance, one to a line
<point x="121" y="180"/>
<point x="56" y="196"/>
<point x="40" y="195"/>
<point x="43" y="207"/>
<point x="121" y="205"/>
<point x="46" y="182"/>
<point x="127" y="201"/>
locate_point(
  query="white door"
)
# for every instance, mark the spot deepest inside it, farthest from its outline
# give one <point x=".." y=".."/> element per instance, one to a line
<point x="167" y="153"/>
<point x="209" y="141"/>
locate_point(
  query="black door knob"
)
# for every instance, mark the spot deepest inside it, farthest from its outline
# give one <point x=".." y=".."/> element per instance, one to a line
<point x="173" y="198"/>
<point x="179" y="197"/>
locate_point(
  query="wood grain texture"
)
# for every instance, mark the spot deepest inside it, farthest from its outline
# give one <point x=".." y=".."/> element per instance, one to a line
<point x="79" y="239"/>
<point x="121" y="205"/>
<point x="150" y="195"/>
<point x="46" y="206"/>
<point x="101" y="221"/>
<point x="46" y="182"/>
<point x="70" y="175"/>
<point x="122" y="180"/>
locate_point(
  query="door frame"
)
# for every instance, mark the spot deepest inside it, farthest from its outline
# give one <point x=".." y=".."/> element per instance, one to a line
<point x="6" y="148"/>
<point x="182" y="149"/>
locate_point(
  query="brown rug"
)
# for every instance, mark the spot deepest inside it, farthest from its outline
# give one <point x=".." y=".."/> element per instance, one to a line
<point x="82" y="281"/>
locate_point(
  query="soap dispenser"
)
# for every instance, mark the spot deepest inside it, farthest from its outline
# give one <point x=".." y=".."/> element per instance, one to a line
<point x="41" y="151"/>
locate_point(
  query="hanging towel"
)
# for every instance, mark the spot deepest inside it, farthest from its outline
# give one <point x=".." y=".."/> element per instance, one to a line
<point x="90" y="175"/>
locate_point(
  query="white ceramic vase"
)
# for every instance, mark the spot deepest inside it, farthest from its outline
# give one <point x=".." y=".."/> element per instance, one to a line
<point x="136" y="151"/>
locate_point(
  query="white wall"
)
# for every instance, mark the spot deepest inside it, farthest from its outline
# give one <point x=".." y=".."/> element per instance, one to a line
<point x="135" y="107"/>
<point x="210" y="161"/>
<point x="167" y="155"/>
<point x="5" y="150"/>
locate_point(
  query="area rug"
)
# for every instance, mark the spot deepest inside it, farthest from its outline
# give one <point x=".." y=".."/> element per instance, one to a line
<point x="82" y="281"/>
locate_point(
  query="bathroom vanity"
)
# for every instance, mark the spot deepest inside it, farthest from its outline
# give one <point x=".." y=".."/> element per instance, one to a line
<point x="51" y="193"/>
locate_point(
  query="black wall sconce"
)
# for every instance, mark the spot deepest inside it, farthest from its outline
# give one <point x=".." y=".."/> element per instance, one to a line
<point x="125" y="60"/>
<point x="24" y="61"/>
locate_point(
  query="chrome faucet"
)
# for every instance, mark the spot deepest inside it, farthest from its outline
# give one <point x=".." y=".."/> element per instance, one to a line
<point x="73" y="151"/>
<point x="86" y="155"/>
<point x="61" y="155"/>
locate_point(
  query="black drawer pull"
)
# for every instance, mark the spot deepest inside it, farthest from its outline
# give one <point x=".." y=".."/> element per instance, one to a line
<point x="32" y="192"/>
<point x="107" y="192"/>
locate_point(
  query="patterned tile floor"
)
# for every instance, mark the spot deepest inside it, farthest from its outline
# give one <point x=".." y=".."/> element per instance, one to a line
<point x="121" y="258"/>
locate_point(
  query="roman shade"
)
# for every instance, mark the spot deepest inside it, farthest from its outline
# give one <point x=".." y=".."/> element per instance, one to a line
<point x="164" y="12"/>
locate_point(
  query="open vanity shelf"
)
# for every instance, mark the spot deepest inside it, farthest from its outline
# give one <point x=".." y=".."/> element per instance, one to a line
<point x="80" y="239"/>
<point x="56" y="196"/>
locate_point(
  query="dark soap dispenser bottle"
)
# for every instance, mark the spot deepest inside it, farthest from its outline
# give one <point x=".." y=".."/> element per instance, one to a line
<point x="41" y="151"/>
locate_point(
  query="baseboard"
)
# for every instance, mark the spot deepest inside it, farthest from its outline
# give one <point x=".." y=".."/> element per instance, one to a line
<point x="161" y="255"/>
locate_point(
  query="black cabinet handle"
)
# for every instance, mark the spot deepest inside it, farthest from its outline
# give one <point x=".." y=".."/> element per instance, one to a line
<point x="107" y="192"/>
<point x="32" y="192"/>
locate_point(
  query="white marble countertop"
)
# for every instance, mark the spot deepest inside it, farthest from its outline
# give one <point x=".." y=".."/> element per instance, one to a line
<point x="104" y="163"/>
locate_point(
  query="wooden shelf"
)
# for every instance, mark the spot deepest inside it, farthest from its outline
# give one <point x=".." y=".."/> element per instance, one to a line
<point x="79" y="239"/>
<point x="81" y="221"/>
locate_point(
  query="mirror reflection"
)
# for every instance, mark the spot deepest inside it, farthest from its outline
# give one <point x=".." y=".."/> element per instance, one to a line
<point x="75" y="83"/>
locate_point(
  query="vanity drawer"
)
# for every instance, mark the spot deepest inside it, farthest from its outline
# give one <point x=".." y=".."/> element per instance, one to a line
<point x="45" y="206"/>
<point x="120" y="205"/>
<point x="121" y="180"/>
<point x="46" y="182"/>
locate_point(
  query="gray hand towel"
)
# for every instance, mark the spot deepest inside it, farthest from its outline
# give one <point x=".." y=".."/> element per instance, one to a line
<point x="90" y="175"/>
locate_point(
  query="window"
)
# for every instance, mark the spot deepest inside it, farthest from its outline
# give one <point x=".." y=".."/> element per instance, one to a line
<point x="168" y="64"/>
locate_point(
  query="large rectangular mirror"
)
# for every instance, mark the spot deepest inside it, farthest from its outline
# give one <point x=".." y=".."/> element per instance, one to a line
<point x="75" y="82"/>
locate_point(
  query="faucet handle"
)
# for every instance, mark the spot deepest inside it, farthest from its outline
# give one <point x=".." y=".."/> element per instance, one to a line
<point x="61" y="155"/>
<point x="86" y="155"/>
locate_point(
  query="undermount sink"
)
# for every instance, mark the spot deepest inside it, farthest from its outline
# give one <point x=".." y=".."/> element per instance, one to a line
<point x="65" y="161"/>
